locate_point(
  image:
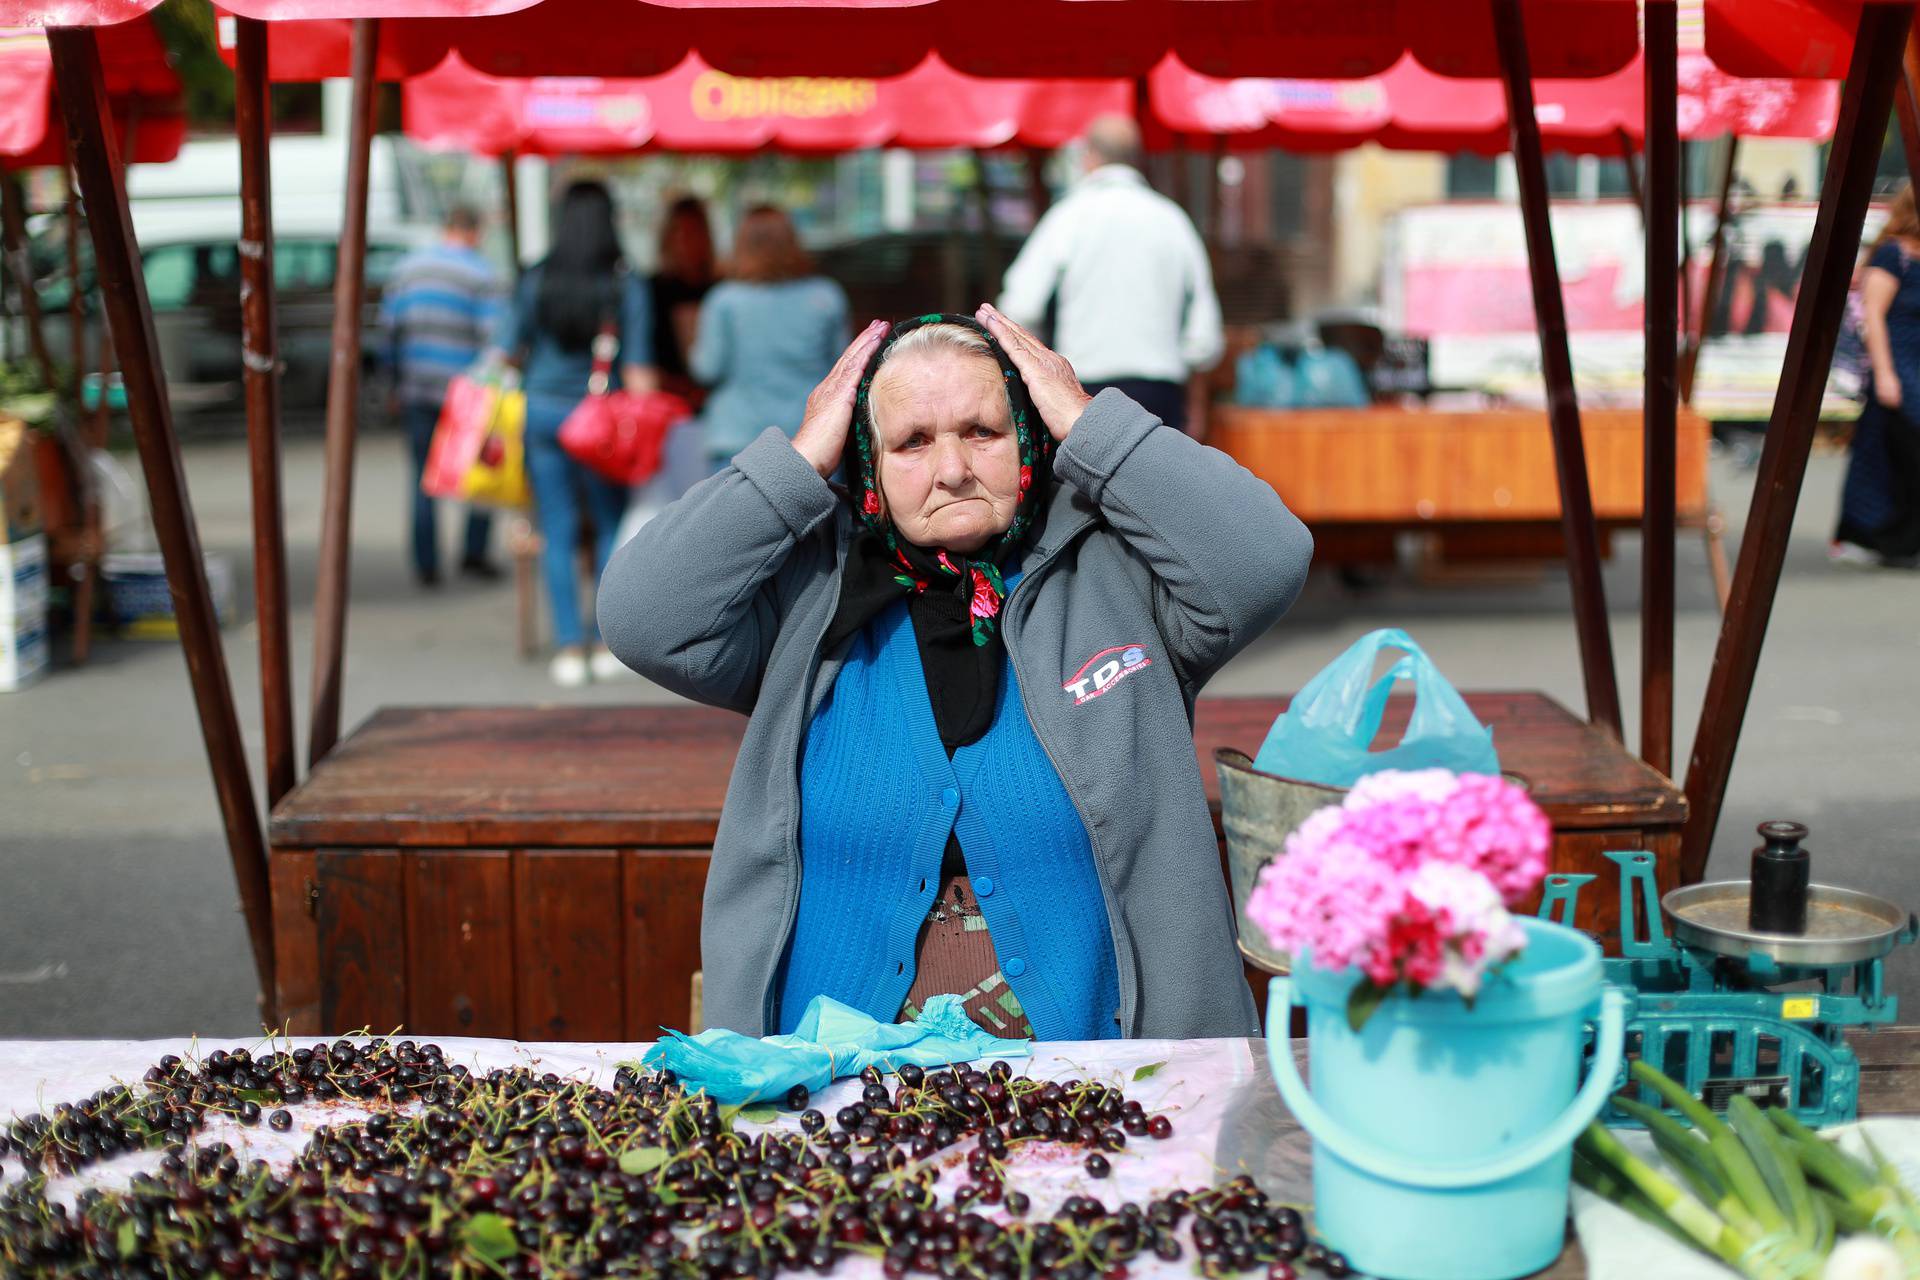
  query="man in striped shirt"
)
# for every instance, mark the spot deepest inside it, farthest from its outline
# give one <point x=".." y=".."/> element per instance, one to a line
<point x="439" y="307"/>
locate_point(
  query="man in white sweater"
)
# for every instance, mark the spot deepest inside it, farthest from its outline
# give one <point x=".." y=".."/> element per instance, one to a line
<point x="1135" y="303"/>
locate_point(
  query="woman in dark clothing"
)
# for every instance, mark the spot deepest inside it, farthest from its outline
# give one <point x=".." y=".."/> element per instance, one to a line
<point x="581" y="295"/>
<point x="684" y="276"/>
<point x="1880" y="504"/>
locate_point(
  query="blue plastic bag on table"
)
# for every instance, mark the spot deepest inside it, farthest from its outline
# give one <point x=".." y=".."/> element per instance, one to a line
<point x="1326" y="732"/>
<point x="831" y="1041"/>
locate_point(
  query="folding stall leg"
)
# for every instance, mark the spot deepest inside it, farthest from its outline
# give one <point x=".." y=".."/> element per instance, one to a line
<point x="260" y="366"/>
<point x="1659" y="418"/>
<point x="90" y="143"/>
<point x="1577" y="522"/>
<point x="1702" y="313"/>
<point x="343" y="410"/>
<point x="1906" y="104"/>
<point x="1844" y="192"/>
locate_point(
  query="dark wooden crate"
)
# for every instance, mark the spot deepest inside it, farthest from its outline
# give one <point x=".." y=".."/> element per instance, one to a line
<point x="536" y="873"/>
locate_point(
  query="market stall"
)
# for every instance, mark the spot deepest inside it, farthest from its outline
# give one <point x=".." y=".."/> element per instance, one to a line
<point x="1474" y="475"/>
<point x="144" y="97"/>
<point x="1510" y="40"/>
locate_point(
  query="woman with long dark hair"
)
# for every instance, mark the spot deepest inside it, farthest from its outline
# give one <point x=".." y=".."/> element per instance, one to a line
<point x="683" y="274"/>
<point x="581" y="291"/>
<point x="1880" y="503"/>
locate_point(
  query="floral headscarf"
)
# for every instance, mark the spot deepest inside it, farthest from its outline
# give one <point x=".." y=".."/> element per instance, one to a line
<point x="954" y="601"/>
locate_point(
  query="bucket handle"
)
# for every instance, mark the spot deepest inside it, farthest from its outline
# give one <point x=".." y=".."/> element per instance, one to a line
<point x="1370" y="1158"/>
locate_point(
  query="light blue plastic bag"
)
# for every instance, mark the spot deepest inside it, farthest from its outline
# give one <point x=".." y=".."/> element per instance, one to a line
<point x="1324" y="734"/>
<point x="1263" y="379"/>
<point x="831" y="1041"/>
<point x="1327" y="378"/>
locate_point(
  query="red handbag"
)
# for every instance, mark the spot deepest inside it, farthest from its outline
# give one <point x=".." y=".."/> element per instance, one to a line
<point x="619" y="434"/>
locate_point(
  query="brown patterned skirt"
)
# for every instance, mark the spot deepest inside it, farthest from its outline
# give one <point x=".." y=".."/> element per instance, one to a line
<point x="955" y="956"/>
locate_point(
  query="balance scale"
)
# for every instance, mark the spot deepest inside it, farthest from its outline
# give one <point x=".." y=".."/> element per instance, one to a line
<point x="1727" y="1009"/>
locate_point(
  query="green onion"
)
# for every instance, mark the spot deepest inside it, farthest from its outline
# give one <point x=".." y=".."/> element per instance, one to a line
<point x="1693" y="1219"/>
<point x="1777" y="1164"/>
<point x="1741" y="1174"/>
<point x="1616" y="1190"/>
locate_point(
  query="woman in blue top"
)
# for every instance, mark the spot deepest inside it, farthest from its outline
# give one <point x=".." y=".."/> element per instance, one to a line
<point x="1880" y="504"/>
<point x="767" y="335"/>
<point x="582" y="290"/>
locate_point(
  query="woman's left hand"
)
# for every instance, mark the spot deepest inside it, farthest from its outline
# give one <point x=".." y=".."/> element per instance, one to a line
<point x="1050" y="380"/>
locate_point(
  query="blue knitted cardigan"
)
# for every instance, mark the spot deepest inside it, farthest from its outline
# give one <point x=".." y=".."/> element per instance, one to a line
<point x="878" y="799"/>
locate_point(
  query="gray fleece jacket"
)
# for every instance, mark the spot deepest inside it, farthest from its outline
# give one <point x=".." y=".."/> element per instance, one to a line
<point x="1152" y="541"/>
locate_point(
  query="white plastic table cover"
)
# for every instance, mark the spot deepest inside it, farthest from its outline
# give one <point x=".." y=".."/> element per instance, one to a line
<point x="1228" y="1118"/>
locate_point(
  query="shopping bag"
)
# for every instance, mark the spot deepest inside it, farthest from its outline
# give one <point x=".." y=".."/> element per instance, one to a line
<point x="620" y="434"/>
<point x="1326" y="733"/>
<point x="497" y="477"/>
<point x="481" y="426"/>
<point x="832" y="1040"/>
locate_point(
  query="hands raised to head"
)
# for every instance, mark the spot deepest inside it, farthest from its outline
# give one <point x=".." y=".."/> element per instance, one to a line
<point x="1051" y="381"/>
<point x="822" y="438"/>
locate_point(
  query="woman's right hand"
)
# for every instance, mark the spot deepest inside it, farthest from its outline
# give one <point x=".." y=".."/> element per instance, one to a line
<point x="1886" y="389"/>
<point x="822" y="438"/>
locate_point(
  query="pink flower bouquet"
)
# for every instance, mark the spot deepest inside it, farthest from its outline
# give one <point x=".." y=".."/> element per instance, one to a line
<point x="1408" y="879"/>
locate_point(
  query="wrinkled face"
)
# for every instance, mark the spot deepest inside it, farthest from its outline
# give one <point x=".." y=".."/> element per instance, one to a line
<point x="947" y="462"/>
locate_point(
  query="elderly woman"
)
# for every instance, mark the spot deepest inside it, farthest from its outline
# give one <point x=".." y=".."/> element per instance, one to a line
<point x="969" y="766"/>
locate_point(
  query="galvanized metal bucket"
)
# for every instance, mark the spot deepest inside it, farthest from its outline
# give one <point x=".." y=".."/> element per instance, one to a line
<point x="1258" y="811"/>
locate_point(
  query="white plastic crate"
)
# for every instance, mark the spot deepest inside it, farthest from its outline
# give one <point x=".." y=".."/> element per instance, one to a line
<point x="23" y="651"/>
<point x="23" y="579"/>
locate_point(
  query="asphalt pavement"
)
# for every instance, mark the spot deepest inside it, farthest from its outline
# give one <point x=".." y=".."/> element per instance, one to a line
<point x="118" y="915"/>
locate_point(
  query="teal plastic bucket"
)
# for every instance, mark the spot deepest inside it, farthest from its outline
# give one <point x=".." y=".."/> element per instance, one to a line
<point x="1442" y="1135"/>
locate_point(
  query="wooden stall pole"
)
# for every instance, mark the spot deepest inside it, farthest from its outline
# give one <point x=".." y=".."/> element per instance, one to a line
<point x="1556" y="366"/>
<point x="13" y="224"/>
<point x="1702" y="315"/>
<point x="1636" y="191"/>
<point x="1844" y="192"/>
<point x="260" y="366"/>
<point x="1659" y="425"/>
<point x="76" y="303"/>
<point x="1039" y="194"/>
<point x="510" y="206"/>
<point x="83" y="573"/>
<point x="1686" y="252"/>
<point x="123" y="289"/>
<point x="991" y="269"/>
<point x="343" y="410"/>
<point x="1906" y="105"/>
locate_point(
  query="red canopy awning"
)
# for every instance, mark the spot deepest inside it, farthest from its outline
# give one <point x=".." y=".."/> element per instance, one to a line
<point x="695" y="108"/>
<point x="1015" y="38"/>
<point x="1809" y="38"/>
<point x="1412" y="108"/>
<point x="142" y="90"/>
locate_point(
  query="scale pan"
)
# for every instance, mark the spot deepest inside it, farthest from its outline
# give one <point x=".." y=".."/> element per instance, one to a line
<point x="1844" y="926"/>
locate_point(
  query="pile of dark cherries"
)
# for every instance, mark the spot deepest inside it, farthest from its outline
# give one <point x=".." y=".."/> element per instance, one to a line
<point x="514" y="1173"/>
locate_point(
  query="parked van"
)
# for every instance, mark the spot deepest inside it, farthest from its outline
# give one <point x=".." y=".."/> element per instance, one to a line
<point x="186" y="216"/>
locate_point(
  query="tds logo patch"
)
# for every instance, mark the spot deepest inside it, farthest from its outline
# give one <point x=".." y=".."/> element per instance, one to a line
<point x="1104" y="670"/>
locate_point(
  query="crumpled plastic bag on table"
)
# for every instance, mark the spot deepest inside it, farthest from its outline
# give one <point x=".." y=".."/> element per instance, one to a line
<point x="831" y="1041"/>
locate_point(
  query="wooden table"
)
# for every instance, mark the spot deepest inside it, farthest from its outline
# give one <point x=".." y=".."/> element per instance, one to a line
<point x="536" y="873"/>
<point x="1483" y="481"/>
